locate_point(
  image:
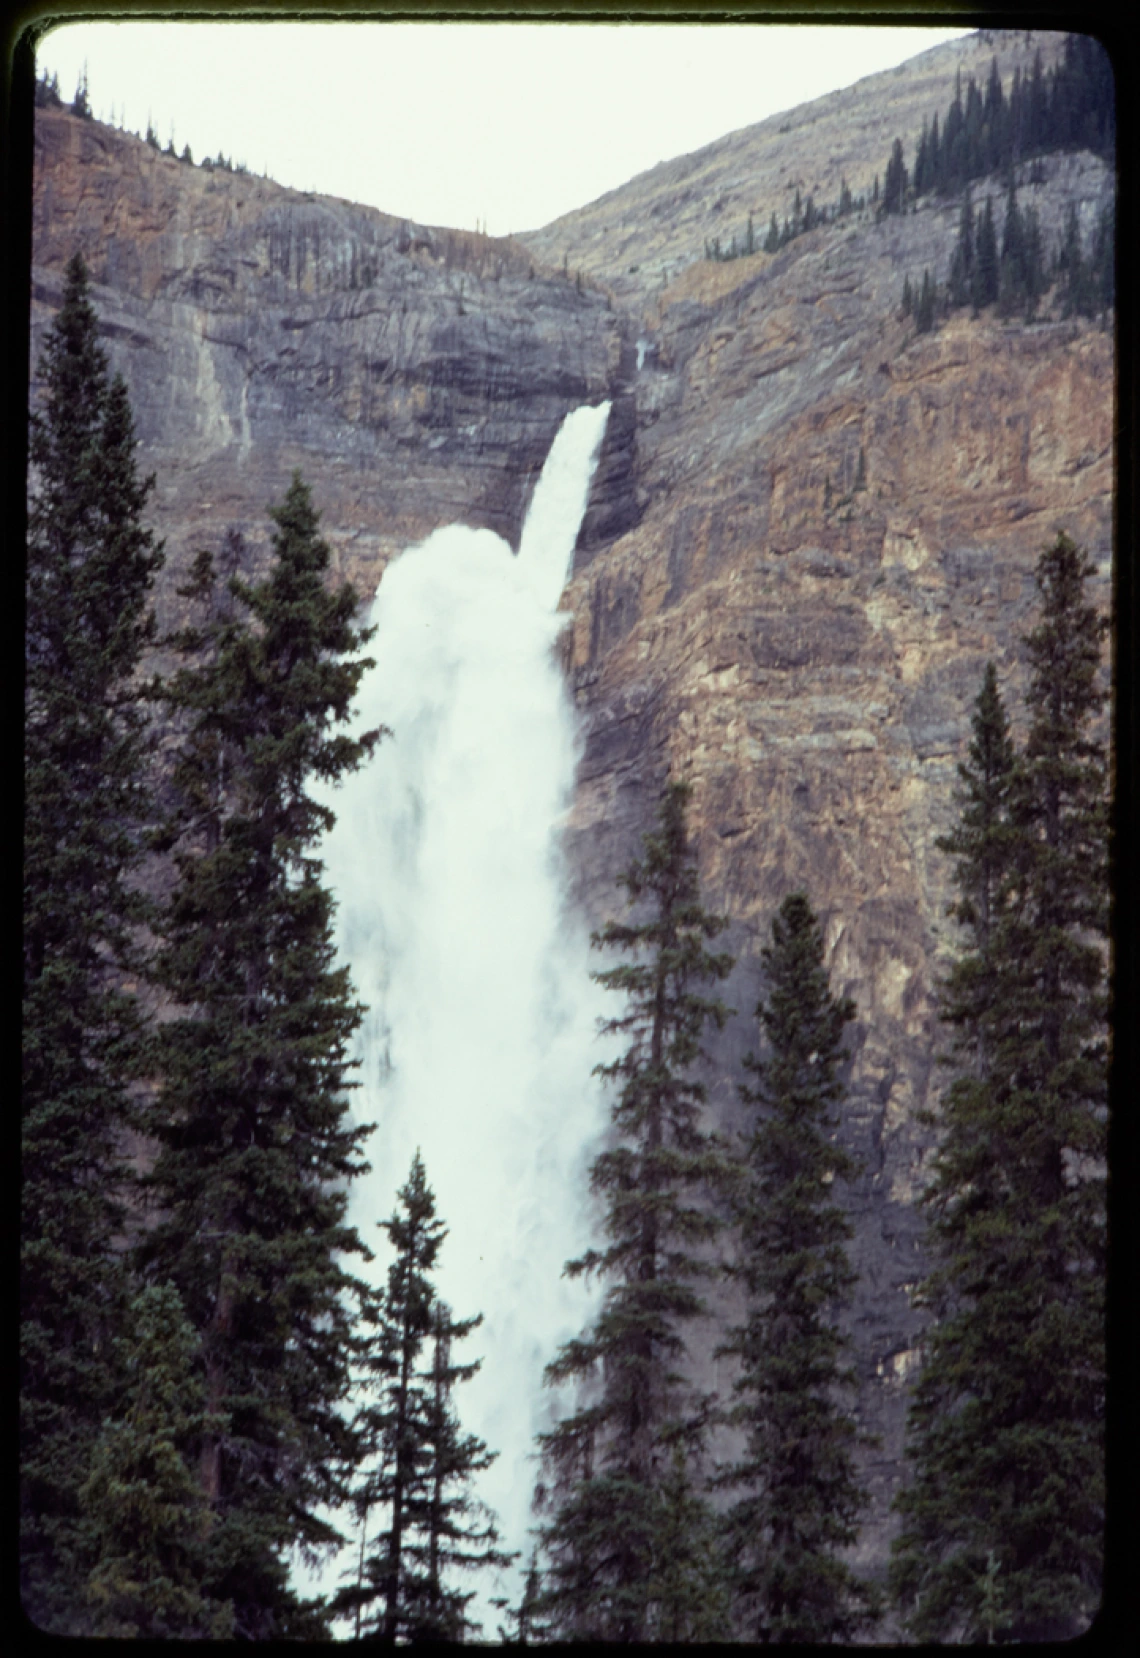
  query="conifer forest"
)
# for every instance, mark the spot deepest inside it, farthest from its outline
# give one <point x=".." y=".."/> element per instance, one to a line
<point x="211" y="1387"/>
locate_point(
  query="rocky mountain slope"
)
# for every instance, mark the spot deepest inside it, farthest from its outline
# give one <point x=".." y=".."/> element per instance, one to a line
<point x="806" y="651"/>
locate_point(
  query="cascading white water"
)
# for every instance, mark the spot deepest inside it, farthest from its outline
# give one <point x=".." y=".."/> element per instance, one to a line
<point x="481" y="1032"/>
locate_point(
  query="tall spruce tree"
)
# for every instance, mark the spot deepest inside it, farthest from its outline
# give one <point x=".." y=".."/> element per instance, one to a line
<point x="960" y="283"/>
<point x="90" y="567"/>
<point x="1013" y="272"/>
<point x="1003" y="1521"/>
<point x="895" y="186"/>
<point x="255" y="1149"/>
<point x="624" y="1466"/>
<point x="418" y="1464"/>
<point x="984" y="276"/>
<point x="145" y="1505"/>
<point x="801" y="1497"/>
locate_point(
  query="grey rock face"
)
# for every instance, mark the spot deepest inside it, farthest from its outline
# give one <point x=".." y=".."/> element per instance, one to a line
<point x="417" y="377"/>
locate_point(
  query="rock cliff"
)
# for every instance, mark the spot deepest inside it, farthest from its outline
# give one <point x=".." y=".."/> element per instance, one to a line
<point x="416" y="376"/>
<point x="809" y="530"/>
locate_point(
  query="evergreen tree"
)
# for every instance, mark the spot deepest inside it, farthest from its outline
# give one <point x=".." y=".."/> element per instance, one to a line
<point x="984" y="277"/>
<point x="420" y="1464"/>
<point x="254" y="1147"/>
<point x="962" y="259"/>
<point x="954" y="173"/>
<point x="1078" y="278"/>
<point x="145" y="1506"/>
<point x="895" y="186"/>
<point x="801" y="1498"/>
<point x="1034" y="263"/>
<point x="925" y="304"/>
<point x="1102" y="264"/>
<point x="1013" y="275"/>
<point x="972" y="130"/>
<point x="525" y="1626"/>
<point x="80" y="105"/>
<point x="907" y="297"/>
<point x="772" y="240"/>
<point x="983" y="844"/>
<point x="47" y="94"/>
<point x="1002" y="1524"/>
<point x="620" y="1564"/>
<point x="923" y="172"/>
<point x="90" y="568"/>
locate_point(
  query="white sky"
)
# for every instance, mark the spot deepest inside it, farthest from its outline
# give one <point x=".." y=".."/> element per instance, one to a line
<point x="506" y="124"/>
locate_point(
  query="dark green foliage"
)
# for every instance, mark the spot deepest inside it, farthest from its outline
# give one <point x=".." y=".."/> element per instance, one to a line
<point x="623" y="1540"/>
<point x="925" y="305"/>
<point x="1034" y="262"/>
<point x="895" y="185"/>
<point x="772" y="240"/>
<point x="187" y="155"/>
<point x="1087" y="284"/>
<point x="1072" y="107"/>
<point x="1012" y="272"/>
<point x="1021" y="269"/>
<point x="1002" y="1525"/>
<point x="255" y="1146"/>
<point x="525" y="1625"/>
<point x="418" y="1462"/>
<point x="907" y="305"/>
<point x="801" y="1498"/>
<point x="144" y="1503"/>
<point x="962" y="259"/>
<point x="984" y="276"/>
<point x="47" y="95"/>
<point x="90" y="567"/>
<point x="1103" y="258"/>
<point x="151" y="135"/>
<point x="983" y="843"/>
<point x="80" y="105"/>
<point x="845" y="203"/>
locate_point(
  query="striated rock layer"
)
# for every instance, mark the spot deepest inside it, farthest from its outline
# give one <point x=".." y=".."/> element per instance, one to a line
<point x="809" y="530"/>
<point x="415" y="376"/>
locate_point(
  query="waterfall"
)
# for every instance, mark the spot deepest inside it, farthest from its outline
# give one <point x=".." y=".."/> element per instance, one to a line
<point x="452" y="915"/>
